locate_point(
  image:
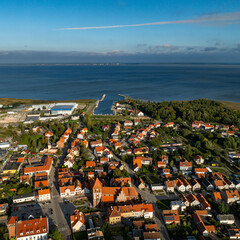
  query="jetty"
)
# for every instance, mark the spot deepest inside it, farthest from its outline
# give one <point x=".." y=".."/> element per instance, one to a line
<point x="103" y="96"/>
<point x="97" y="102"/>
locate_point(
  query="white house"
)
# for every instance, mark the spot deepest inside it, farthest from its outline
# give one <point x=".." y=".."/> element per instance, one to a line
<point x="44" y="195"/>
<point x="178" y="205"/>
<point x="78" y="221"/>
<point x="157" y="187"/>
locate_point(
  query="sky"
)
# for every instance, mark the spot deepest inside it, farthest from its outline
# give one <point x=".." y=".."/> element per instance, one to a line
<point x="119" y="31"/>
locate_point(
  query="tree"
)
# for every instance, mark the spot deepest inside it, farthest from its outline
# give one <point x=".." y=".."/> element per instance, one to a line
<point x="56" y="235"/>
<point x="223" y="209"/>
<point x="107" y="231"/>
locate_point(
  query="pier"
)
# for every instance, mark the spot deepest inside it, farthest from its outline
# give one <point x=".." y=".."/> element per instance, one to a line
<point x="97" y="102"/>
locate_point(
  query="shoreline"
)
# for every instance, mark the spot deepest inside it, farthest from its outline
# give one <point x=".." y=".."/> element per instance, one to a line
<point x="19" y="101"/>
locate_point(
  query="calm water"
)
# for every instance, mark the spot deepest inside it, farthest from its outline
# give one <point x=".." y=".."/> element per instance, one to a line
<point x="153" y="82"/>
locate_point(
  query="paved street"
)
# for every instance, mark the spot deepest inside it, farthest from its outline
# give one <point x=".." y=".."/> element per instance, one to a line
<point x="150" y="198"/>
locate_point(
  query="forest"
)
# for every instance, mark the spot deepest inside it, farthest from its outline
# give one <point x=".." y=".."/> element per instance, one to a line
<point x="201" y="109"/>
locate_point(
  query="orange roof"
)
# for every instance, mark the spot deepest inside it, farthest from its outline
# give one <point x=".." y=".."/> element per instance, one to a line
<point x="232" y="194"/>
<point x="134" y="208"/>
<point x="44" y="191"/>
<point x="108" y="198"/>
<point x="71" y="188"/>
<point x="219" y="183"/>
<point x="90" y="164"/>
<point x="137" y="162"/>
<point x="99" y="149"/>
<point x="77" y="217"/>
<point x="20" y="159"/>
<point x="200" y="170"/>
<point x="31" y="227"/>
<point x="97" y="184"/>
<point x="185" y="164"/>
<point x="217" y="195"/>
<point x="12" y="220"/>
<point x="169" y="184"/>
<point x="46" y="166"/>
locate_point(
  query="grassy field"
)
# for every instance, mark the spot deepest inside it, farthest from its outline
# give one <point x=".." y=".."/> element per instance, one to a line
<point x="231" y="105"/>
<point x="15" y="101"/>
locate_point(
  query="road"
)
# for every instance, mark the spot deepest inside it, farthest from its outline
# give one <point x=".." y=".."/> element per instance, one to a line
<point x="91" y="107"/>
<point x="150" y="198"/>
<point x="60" y="219"/>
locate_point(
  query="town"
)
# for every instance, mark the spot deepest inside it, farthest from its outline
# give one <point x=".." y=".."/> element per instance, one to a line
<point x="69" y="174"/>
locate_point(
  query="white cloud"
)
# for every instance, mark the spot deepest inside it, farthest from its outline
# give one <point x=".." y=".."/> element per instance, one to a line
<point x="222" y="18"/>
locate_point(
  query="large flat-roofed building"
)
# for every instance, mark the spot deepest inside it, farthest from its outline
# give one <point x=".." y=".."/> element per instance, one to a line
<point x="63" y="108"/>
<point x="11" y="167"/>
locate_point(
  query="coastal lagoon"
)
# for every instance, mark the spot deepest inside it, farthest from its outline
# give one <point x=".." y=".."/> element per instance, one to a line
<point x="156" y="82"/>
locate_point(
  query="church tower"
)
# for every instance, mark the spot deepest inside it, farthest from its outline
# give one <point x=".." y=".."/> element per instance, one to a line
<point x="97" y="193"/>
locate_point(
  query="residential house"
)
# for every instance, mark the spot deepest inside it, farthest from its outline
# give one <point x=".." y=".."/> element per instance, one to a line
<point x="154" y="235"/>
<point x="104" y="160"/>
<point x="162" y="164"/>
<point x="203" y="202"/>
<point x="97" y="143"/>
<point x="116" y="213"/>
<point x="3" y="208"/>
<point x="28" y="197"/>
<point x="179" y="185"/>
<point x="184" y="165"/>
<point x="184" y="200"/>
<point x="44" y="195"/>
<point x="226" y="219"/>
<point x="121" y="182"/>
<point x="165" y="158"/>
<point x="195" y="184"/>
<point x="77" y="220"/>
<point x="230" y="196"/>
<point x="236" y="183"/>
<point x="140" y="184"/>
<point x="216" y="197"/>
<point x="171" y="216"/>
<point x="28" y="229"/>
<point x="186" y="184"/>
<point x="157" y="187"/>
<point x="128" y="123"/>
<point x="193" y="200"/>
<point x="169" y="185"/>
<point x="204" y="229"/>
<point x="200" y="171"/>
<point x="198" y="160"/>
<point x="234" y="233"/>
<point x="207" y="185"/>
<point x="178" y="205"/>
<point x="90" y="164"/>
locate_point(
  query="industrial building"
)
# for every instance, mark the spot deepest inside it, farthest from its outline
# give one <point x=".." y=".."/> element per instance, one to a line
<point x="63" y="108"/>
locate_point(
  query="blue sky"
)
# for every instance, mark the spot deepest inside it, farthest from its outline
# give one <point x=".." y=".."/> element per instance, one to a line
<point x="33" y="26"/>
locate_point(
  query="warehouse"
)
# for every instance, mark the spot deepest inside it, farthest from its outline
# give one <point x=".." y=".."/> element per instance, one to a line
<point x="63" y="108"/>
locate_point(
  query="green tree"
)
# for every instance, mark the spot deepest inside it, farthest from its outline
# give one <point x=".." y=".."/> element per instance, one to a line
<point x="56" y="235"/>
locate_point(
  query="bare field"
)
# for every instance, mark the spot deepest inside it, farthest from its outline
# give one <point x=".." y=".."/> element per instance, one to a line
<point x="12" y="118"/>
<point x="231" y="105"/>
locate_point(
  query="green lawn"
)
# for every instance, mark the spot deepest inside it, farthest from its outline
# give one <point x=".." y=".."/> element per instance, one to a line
<point x="79" y="202"/>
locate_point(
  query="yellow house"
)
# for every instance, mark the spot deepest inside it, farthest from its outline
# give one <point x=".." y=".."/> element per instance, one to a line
<point x="114" y="216"/>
